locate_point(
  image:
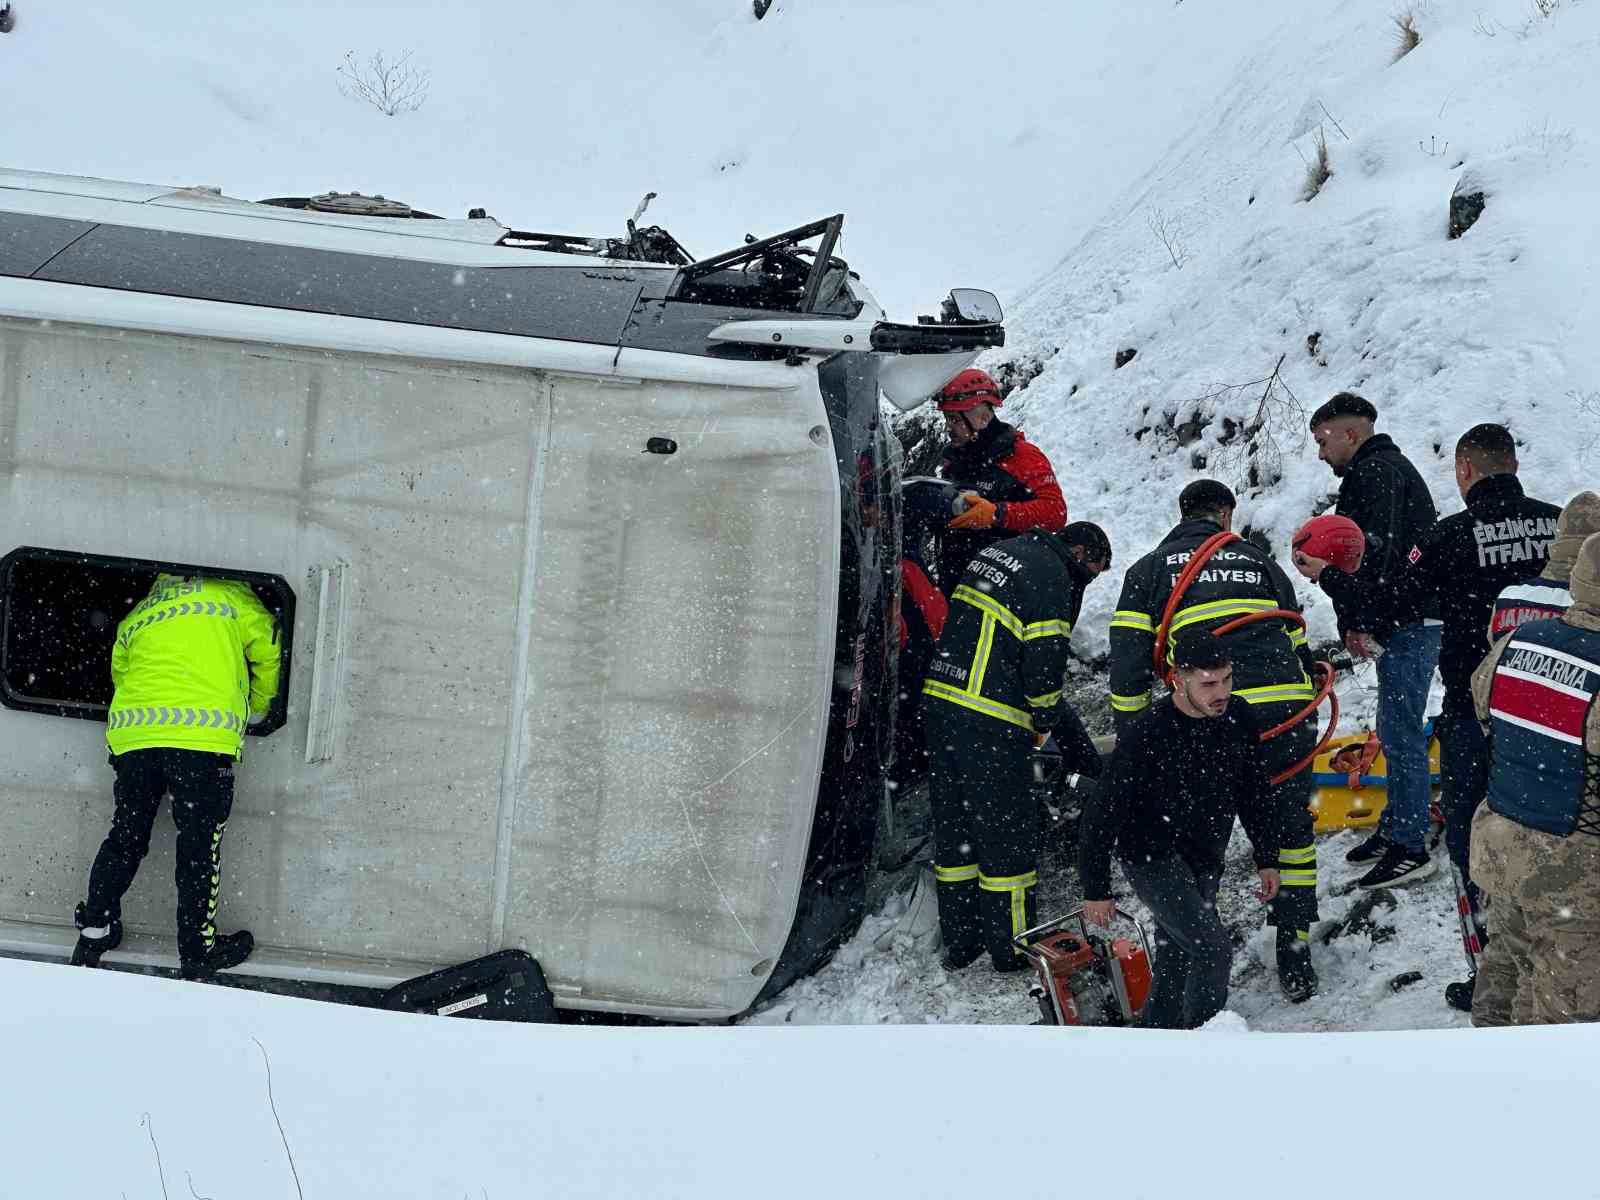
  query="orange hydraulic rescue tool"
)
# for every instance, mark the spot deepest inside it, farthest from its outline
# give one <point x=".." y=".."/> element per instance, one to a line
<point x="1087" y="978"/>
<point x="1191" y="570"/>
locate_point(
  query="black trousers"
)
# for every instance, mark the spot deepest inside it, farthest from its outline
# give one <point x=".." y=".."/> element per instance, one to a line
<point x="201" y="786"/>
<point x="1294" y="912"/>
<point x="986" y="830"/>
<point x="1193" y="950"/>
<point x="1464" y="764"/>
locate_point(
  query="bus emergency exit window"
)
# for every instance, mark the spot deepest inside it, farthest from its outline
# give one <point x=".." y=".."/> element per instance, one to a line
<point x="59" y="612"/>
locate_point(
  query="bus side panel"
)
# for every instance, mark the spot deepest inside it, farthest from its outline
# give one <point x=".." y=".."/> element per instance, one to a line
<point x="680" y="675"/>
<point x="416" y="478"/>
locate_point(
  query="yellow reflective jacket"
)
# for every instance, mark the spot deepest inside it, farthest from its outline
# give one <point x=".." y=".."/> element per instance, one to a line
<point x="192" y="662"/>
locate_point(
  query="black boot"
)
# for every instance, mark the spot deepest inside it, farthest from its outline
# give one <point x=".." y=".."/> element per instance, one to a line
<point x="1296" y="976"/>
<point x="1459" y="995"/>
<point x="89" y="949"/>
<point x="960" y="960"/>
<point x="229" y="950"/>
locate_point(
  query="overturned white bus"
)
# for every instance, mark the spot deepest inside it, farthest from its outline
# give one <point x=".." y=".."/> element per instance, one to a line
<point x="584" y="555"/>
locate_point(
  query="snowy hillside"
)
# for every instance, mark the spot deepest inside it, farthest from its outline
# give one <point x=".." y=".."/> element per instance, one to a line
<point x="1358" y="288"/>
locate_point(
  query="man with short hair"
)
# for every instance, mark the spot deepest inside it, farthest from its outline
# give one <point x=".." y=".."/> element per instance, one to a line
<point x="1007" y="484"/>
<point x="1536" y="843"/>
<point x="194" y="663"/>
<point x="1272" y="669"/>
<point x="1463" y="563"/>
<point x="1180" y="774"/>
<point x="1383" y="493"/>
<point x="994" y="692"/>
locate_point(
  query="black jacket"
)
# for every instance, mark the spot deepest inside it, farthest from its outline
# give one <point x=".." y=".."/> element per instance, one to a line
<point x="1270" y="661"/>
<point x="1384" y="494"/>
<point x="1502" y="537"/>
<point x="1003" y="653"/>
<point x="1176" y="784"/>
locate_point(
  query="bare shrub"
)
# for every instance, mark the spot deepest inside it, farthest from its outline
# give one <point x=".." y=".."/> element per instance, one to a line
<point x="1406" y="37"/>
<point x="1168" y="230"/>
<point x="1588" y="403"/>
<point x="1251" y="451"/>
<point x="390" y="85"/>
<point x="1318" y="170"/>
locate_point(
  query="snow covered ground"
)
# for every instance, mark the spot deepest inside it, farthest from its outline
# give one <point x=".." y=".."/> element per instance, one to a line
<point x="125" y="1085"/>
<point x="888" y="974"/>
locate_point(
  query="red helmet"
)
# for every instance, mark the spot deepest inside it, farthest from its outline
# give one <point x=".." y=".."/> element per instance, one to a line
<point x="1334" y="539"/>
<point x="968" y="390"/>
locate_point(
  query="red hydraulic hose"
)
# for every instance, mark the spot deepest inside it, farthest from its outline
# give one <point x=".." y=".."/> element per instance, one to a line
<point x="1180" y="589"/>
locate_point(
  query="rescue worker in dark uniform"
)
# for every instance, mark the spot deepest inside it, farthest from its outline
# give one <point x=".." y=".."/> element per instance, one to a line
<point x="1456" y="573"/>
<point x="993" y="692"/>
<point x="194" y="663"/>
<point x="1272" y="673"/>
<point x="1006" y="482"/>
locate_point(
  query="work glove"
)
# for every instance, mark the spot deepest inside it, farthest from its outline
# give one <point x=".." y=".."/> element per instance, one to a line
<point x="980" y="513"/>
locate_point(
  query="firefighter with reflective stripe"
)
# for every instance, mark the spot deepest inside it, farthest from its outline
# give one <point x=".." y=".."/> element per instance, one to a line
<point x="194" y="662"/>
<point x="993" y="691"/>
<point x="1272" y="672"/>
<point x="1536" y="843"/>
<point x="1007" y="484"/>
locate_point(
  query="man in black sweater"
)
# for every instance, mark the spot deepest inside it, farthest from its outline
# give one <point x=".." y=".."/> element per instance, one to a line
<point x="1383" y="493"/>
<point x="1501" y="538"/>
<point x="1179" y="776"/>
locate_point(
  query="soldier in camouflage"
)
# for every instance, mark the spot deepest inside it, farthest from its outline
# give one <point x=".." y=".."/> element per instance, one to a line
<point x="1536" y="843"/>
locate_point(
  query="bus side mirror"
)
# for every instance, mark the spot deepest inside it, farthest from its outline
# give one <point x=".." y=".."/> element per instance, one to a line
<point x="973" y="306"/>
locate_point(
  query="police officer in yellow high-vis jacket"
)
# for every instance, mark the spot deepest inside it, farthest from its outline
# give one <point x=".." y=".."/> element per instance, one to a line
<point x="194" y="663"/>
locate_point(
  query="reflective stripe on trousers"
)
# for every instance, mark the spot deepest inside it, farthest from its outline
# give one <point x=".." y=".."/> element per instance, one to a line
<point x="1017" y="886"/>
